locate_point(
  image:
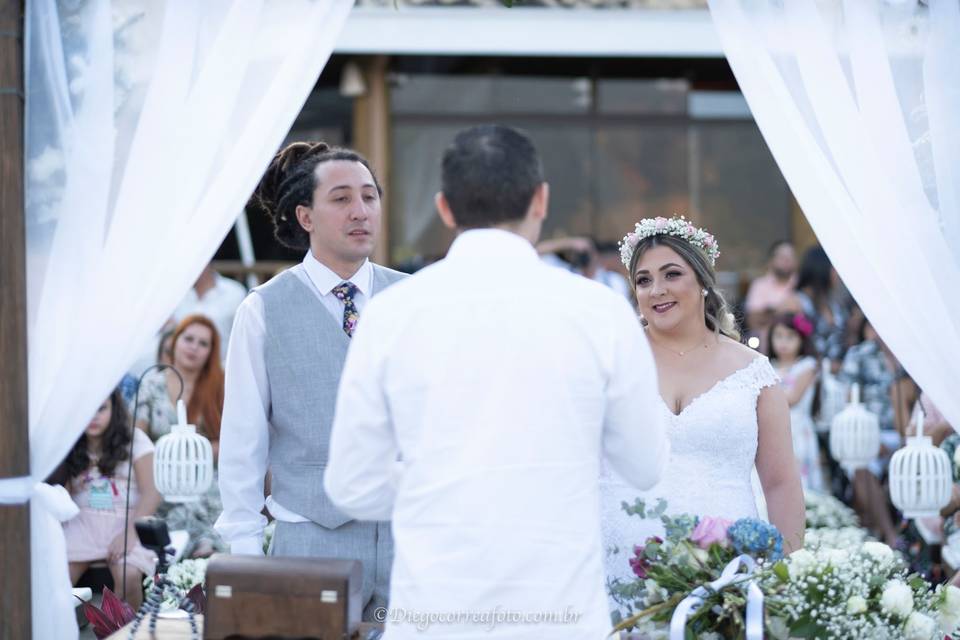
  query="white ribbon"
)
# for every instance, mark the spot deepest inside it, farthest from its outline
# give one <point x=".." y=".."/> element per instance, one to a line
<point x="16" y="490"/>
<point x="51" y="591"/>
<point x="729" y="575"/>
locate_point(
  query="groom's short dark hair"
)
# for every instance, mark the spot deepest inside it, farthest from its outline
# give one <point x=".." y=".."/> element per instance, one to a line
<point x="490" y="173"/>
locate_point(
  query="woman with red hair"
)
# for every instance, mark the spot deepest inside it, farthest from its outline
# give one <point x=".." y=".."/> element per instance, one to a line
<point x="196" y="349"/>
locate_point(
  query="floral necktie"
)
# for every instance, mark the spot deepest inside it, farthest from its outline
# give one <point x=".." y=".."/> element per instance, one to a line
<point x="345" y="291"/>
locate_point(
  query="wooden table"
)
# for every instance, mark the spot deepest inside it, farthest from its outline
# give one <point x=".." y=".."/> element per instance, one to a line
<point x="167" y="629"/>
<point x="179" y="629"/>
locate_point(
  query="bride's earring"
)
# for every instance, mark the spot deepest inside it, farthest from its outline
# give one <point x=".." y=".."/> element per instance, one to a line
<point x="704" y="292"/>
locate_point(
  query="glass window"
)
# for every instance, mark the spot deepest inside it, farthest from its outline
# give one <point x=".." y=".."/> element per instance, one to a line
<point x="645" y="148"/>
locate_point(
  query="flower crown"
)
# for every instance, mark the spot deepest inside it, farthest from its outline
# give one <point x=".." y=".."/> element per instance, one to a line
<point x="679" y="227"/>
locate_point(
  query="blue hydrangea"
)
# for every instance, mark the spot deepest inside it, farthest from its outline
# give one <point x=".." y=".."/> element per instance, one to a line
<point x="756" y="537"/>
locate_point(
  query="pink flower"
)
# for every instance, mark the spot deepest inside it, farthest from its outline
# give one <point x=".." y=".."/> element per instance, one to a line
<point x="803" y="325"/>
<point x="708" y="241"/>
<point x="661" y="224"/>
<point x="710" y="530"/>
<point x="639" y="562"/>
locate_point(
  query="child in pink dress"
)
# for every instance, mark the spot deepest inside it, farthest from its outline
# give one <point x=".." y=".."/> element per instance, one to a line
<point x="96" y="472"/>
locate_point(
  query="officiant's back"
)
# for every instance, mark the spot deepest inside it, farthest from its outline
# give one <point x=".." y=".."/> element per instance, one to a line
<point x="502" y="380"/>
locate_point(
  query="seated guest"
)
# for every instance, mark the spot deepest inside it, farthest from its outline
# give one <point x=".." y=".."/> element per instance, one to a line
<point x="817" y="296"/>
<point x="886" y="391"/>
<point x="215" y="297"/>
<point x="770" y="291"/>
<point x="195" y="345"/>
<point x="580" y="256"/>
<point x="96" y="473"/>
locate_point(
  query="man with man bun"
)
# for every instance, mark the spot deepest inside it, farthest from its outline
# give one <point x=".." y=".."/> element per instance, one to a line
<point x="286" y="352"/>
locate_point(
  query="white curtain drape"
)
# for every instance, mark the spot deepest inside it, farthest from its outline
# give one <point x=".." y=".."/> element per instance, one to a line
<point x="148" y="125"/>
<point x="859" y="102"/>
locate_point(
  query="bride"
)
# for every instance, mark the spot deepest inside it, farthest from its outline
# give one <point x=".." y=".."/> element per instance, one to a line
<point x="727" y="413"/>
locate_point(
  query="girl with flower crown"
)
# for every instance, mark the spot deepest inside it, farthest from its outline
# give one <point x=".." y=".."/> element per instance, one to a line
<point x="728" y="413"/>
<point x="791" y="354"/>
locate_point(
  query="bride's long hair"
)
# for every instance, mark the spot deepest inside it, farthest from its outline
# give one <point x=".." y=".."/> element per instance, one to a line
<point x="716" y="311"/>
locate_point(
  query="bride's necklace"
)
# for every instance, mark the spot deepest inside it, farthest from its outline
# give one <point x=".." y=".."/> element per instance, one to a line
<point x="704" y="343"/>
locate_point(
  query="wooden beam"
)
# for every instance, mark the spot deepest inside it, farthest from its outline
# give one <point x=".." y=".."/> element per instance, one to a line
<point x="371" y="137"/>
<point x="801" y="233"/>
<point x="14" y="445"/>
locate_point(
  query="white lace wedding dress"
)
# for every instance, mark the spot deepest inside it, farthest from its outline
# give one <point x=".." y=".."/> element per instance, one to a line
<point x="713" y="449"/>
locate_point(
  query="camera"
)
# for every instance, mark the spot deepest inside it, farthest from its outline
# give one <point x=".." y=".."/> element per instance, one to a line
<point x="154" y="535"/>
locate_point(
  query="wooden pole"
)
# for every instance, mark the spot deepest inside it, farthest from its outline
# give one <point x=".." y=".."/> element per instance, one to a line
<point x="14" y="445"/>
<point x="371" y="137"/>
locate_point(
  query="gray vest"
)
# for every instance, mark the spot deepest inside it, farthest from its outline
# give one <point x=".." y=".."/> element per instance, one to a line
<point x="304" y="349"/>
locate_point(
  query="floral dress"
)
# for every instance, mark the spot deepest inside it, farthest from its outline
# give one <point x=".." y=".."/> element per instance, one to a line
<point x="197" y="518"/>
<point x="866" y="365"/>
<point x="828" y="335"/>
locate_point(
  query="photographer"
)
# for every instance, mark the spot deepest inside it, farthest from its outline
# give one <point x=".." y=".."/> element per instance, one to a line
<point x="580" y="255"/>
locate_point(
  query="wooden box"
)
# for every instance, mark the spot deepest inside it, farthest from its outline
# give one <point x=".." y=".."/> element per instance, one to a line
<point x="276" y="597"/>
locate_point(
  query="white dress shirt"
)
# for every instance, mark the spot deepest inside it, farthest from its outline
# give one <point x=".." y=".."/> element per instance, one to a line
<point x="499" y="381"/>
<point x="244" y="434"/>
<point x="219" y="303"/>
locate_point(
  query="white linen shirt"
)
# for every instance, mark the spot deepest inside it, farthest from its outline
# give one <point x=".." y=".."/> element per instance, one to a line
<point x="219" y="304"/>
<point x="244" y="433"/>
<point x="499" y="382"/>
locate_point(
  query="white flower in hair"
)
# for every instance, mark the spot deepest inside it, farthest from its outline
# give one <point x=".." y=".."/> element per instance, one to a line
<point x="678" y="227"/>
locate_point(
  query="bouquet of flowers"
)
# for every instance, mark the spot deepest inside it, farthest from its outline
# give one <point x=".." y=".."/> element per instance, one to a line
<point x="184" y="576"/>
<point x="825" y="592"/>
<point x="693" y="552"/>
<point x="826" y="512"/>
<point x="841" y="586"/>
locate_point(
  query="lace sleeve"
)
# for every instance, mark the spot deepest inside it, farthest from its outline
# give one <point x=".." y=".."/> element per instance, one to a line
<point x="760" y="375"/>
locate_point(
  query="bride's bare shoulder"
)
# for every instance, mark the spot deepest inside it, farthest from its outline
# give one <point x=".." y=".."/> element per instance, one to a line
<point x="739" y="355"/>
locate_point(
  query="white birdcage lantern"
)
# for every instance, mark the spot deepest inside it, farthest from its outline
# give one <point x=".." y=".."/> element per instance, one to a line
<point x="183" y="461"/>
<point x="833" y="397"/>
<point x="855" y="434"/>
<point x="921" y="476"/>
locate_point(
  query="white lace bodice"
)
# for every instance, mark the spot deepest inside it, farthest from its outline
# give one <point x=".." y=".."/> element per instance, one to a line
<point x="713" y="450"/>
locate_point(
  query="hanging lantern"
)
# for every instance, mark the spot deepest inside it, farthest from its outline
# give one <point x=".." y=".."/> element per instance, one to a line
<point x="921" y="476"/>
<point x="855" y="434"/>
<point x="183" y="462"/>
<point x="833" y="397"/>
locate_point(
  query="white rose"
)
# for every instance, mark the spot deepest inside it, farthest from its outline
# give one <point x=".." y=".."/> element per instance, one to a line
<point x="855" y="605"/>
<point x="652" y="630"/>
<point x="779" y="629"/>
<point x="801" y="562"/>
<point x="951" y="599"/>
<point x="948" y="623"/>
<point x="919" y="627"/>
<point x="877" y="550"/>
<point x="897" y="598"/>
<point x="655" y="594"/>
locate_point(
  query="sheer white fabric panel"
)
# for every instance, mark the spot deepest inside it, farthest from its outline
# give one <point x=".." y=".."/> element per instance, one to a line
<point x="859" y="102"/>
<point x="148" y="126"/>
